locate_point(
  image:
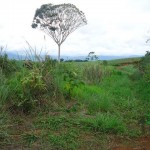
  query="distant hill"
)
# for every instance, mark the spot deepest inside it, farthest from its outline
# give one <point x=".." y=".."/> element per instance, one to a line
<point x="15" y="55"/>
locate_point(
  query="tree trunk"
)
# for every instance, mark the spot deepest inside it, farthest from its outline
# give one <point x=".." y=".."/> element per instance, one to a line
<point x="58" y="53"/>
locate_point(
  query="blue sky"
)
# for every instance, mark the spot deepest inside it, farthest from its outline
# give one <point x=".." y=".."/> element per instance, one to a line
<point x="115" y="27"/>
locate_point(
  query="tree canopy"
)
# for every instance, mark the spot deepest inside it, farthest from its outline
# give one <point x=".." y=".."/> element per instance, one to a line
<point x="58" y="21"/>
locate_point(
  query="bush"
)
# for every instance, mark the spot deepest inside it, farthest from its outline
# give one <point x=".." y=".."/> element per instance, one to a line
<point x="145" y="67"/>
<point x="26" y="87"/>
<point x="7" y="66"/>
<point x="71" y="80"/>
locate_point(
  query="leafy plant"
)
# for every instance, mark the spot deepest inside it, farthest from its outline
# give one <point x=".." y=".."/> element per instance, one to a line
<point x="25" y="89"/>
<point x="71" y="81"/>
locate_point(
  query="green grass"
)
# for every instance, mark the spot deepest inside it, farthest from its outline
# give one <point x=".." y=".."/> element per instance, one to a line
<point x="109" y="104"/>
<point x="118" y="62"/>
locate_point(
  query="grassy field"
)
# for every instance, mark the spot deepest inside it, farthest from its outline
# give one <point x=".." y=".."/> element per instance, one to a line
<point x="73" y="106"/>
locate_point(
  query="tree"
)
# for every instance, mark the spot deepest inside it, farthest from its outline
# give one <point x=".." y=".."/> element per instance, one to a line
<point x="91" y="56"/>
<point x="58" y="21"/>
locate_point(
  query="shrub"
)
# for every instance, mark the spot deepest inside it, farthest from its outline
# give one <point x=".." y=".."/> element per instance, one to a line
<point x="72" y="80"/>
<point x="145" y="66"/>
<point x="26" y="87"/>
<point x="7" y="66"/>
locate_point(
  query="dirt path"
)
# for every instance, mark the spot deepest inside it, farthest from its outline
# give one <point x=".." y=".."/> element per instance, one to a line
<point x="142" y="143"/>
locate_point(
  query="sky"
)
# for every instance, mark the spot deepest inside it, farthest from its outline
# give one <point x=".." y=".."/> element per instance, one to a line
<point x="115" y="27"/>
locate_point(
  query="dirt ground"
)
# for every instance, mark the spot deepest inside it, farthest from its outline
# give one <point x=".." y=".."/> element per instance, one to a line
<point x="142" y="143"/>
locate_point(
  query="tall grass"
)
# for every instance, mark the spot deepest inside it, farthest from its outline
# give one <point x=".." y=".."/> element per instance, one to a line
<point x="94" y="73"/>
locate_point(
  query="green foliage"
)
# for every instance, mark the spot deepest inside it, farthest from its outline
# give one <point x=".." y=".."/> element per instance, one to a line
<point x="7" y="66"/>
<point x="141" y="77"/>
<point x="33" y="84"/>
<point x="148" y="119"/>
<point x="26" y="87"/>
<point x="71" y="82"/>
<point x="145" y="67"/>
<point x="142" y="90"/>
<point x="100" y="104"/>
<point x="110" y="106"/>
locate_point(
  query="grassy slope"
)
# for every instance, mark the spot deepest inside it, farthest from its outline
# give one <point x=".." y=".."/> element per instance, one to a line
<point x="99" y="115"/>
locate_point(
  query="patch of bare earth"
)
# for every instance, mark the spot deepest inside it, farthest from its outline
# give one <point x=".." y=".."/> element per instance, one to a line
<point x="142" y="143"/>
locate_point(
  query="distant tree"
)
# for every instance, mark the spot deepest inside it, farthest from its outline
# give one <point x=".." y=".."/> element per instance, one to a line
<point x="91" y="56"/>
<point x="58" y="21"/>
<point x="61" y="59"/>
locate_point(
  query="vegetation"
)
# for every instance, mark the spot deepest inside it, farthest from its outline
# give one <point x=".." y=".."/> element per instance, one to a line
<point x="73" y="105"/>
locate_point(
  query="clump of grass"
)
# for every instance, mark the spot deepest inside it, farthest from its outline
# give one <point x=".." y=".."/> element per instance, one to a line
<point x="99" y="105"/>
<point x="106" y="123"/>
<point x="94" y="73"/>
<point x="29" y="138"/>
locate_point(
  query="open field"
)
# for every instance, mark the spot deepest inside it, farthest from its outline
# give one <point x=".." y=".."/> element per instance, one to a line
<point x="74" y="106"/>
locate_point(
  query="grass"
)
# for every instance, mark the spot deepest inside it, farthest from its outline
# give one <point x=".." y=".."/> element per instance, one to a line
<point x="109" y="104"/>
<point x="124" y="61"/>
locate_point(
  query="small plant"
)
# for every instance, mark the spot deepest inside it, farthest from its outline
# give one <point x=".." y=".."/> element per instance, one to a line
<point x="71" y="81"/>
<point x="29" y="138"/>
